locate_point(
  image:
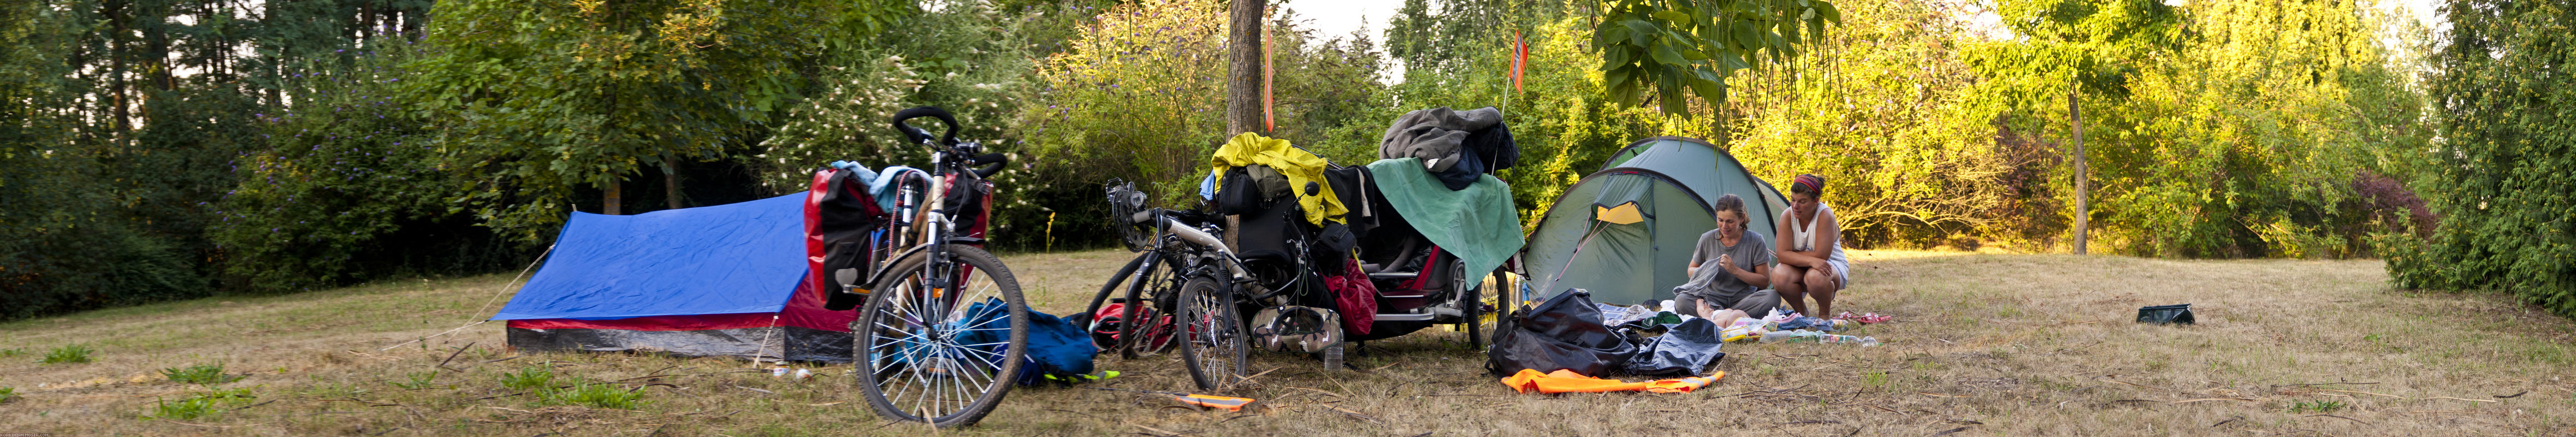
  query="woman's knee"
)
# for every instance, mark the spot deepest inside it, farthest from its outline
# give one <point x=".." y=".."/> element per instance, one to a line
<point x="1819" y="284"/>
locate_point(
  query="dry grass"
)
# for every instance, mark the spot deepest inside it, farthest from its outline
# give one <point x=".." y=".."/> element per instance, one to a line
<point x="1983" y="345"/>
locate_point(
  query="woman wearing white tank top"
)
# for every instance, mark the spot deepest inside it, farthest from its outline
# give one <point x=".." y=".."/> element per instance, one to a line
<point x="1810" y="250"/>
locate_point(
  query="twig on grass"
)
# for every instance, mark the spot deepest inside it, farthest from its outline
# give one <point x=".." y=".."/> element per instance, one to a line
<point x="2224" y="422"/>
<point x="460" y="350"/>
<point x="1158" y="430"/>
<point x="2368" y="393"/>
<point x="2514" y="395"/>
<point x="2325" y="383"/>
<point x="1812" y="422"/>
<point x="2186" y="401"/>
<point x="766" y="392"/>
<point x="2458" y="399"/>
<point x="195" y="424"/>
<point x="490" y="397"/>
<point x="1891" y="410"/>
<point x="2338" y="417"/>
<point x="254" y="405"/>
<point x="1951" y="431"/>
<point x="1355" y="414"/>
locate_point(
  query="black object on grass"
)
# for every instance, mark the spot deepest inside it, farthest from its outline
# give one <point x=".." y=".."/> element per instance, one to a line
<point x="2166" y="314"/>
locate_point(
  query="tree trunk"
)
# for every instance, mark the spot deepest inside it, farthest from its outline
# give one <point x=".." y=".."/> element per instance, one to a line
<point x="2082" y="214"/>
<point x="608" y="199"/>
<point x="670" y="184"/>
<point x="1243" y="66"/>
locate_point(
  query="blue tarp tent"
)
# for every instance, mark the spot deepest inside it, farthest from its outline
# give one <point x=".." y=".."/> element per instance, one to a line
<point x="716" y="280"/>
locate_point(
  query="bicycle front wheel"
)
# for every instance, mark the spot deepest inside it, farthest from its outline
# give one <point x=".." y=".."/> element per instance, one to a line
<point x="941" y="342"/>
<point x="1212" y="336"/>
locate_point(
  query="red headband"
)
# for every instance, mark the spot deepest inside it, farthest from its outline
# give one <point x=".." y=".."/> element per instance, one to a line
<point x="1808" y="183"/>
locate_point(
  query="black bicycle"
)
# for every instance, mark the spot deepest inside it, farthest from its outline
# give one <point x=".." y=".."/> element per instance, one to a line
<point x="943" y="330"/>
<point x="1220" y="303"/>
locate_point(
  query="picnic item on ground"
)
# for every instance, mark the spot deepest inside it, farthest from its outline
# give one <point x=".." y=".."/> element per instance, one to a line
<point x="2166" y="314"/>
<point x="1563" y="333"/>
<point x="1562" y="381"/>
<point x="1864" y="318"/>
<point x="1228" y="403"/>
<point x="1686" y="348"/>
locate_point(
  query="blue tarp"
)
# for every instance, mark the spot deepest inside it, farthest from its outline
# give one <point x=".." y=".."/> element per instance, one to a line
<point x="738" y="258"/>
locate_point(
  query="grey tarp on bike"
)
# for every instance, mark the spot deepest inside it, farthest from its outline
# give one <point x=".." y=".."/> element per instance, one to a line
<point x="1476" y="224"/>
<point x="1687" y="348"/>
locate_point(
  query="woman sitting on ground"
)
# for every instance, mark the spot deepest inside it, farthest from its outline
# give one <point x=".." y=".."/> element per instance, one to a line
<point x="1729" y="268"/>
<point x="1811" y="250"/>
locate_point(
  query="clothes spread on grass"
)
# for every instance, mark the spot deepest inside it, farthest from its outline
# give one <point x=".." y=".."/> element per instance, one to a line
<point x="1455" y="146"/>
<point x="1564" y="381"/>
<point x="1303" y="170"/>
<point x="1055" y="348"/>
<point x="1686" y="348"/>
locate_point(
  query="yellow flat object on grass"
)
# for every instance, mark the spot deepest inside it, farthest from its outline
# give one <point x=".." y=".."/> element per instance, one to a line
<point x="1565" y="381"/>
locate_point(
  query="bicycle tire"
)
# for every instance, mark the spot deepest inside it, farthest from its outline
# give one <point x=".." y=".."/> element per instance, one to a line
<point x="892" y="338"/>
<point x="1213" y="346"/>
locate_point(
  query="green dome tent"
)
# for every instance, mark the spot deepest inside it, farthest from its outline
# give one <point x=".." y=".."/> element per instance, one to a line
<point x="1625" y="232"/>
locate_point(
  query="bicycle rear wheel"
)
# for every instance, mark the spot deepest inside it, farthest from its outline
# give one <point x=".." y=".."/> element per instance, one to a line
<point x="941" y="352"/>
<point x="1212" y="336"/>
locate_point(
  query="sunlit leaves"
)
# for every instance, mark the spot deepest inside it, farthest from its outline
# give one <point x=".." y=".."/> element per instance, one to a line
<point x="1672" y="50"/>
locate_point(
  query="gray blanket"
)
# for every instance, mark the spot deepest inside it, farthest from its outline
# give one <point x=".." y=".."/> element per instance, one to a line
<point x="1435" y="135"/>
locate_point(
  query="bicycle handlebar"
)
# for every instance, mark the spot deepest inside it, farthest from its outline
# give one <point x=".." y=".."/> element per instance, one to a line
<point x="916" y="134"/>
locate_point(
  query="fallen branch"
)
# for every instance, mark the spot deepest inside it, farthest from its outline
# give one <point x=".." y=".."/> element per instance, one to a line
<point x="460" y="350"/>
<point x="2224" y="422"/>
<point x="2514" y="395"/>
<point x="2338" y="417"/>
<point x="1355" y="414"/>
<point x="766" y="392"/>
<point x="1951" y="431"/>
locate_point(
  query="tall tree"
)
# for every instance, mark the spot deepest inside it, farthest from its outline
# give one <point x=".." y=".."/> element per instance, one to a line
<point x="1243" y="65"/>
<point x="2075" y="48"/>
<point x="550" y="96"/>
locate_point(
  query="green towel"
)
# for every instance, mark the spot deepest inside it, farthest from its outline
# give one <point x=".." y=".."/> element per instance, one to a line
<point x="1477" y="224"/>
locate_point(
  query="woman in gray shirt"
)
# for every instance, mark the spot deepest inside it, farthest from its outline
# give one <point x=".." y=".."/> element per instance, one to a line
<point x="1741" y="269"/>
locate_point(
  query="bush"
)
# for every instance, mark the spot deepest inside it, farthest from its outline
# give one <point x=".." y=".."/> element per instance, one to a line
<point x="2506" y="193"/>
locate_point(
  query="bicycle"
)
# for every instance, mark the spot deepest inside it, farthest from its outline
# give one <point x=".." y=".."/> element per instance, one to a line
<point x="942" y="326"/>
<point x="1184" y="270"/>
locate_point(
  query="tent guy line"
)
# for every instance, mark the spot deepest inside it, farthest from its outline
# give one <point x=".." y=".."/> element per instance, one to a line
<point x="487" y="303"/>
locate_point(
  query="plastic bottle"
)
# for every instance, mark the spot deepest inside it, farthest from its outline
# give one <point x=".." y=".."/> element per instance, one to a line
<point x="780" y="370"/>
<point x="1849" y="340"/>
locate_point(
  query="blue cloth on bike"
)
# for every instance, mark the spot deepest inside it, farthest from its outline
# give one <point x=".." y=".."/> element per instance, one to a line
<point x="1477" y="224"/>
<point x="883" y="186"/>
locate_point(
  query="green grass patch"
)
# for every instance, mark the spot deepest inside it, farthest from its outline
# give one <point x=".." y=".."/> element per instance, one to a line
<point x="420" y="380"/>
<point x="210" y="403"/>
<point x="202" y="374"/>
<point x="67" y="354"/>
<point x="594" y="396"/>
<point x="12" y="352"/>
<point x="8" y="394"/>
<point x="2317" y="407"/>
<point x="529" y="378"/>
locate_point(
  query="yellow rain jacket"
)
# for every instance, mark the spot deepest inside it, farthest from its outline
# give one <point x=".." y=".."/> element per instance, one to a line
<point x="1298" y="165"/>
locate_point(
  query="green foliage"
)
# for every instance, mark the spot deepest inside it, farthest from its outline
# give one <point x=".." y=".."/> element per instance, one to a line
<point x="529" y="378"/>
<point x="539" y="100"/>
<point x="2316" y="407"/>
<point x="1671" y="47"/>
<point x="1926" y="167"/>
<point x="419" y="380"/>
<point x="202" y="374"/>
<point x="8" y="394"/>
<point x="195" y="406"/>
<point x="12" y="352"/>
<point x="348" y="187"/>
<point x="593" y="395"/>
<point x="2508" y="201"/>
<point x="69" y="354"/>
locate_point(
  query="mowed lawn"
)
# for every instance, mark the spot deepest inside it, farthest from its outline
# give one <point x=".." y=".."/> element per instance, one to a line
<point x="1981" y="345"/>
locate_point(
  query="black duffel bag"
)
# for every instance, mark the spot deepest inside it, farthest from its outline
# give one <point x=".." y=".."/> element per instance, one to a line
<point x="1565" y="332"/>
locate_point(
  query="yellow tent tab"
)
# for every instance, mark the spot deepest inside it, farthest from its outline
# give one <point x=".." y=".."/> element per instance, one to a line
<point x="1625" y="214"/>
